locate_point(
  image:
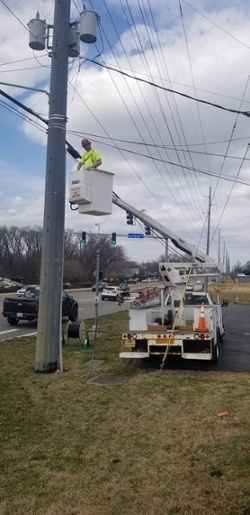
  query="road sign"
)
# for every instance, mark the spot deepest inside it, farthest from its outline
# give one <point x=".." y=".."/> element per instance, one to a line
<point x="135" y="235"/>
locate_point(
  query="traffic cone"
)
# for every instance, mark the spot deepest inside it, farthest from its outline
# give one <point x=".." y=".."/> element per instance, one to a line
<point x="202" y="322"/>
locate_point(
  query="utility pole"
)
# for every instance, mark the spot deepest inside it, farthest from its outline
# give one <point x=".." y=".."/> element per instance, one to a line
<point x="50" y="301"/>
<point x="208" y="221"/>
<point x="224" y="256"/>
<point x="219" y="237"/>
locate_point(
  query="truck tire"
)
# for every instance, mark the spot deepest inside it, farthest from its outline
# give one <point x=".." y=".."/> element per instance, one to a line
<point x="12" y="320"/>
<point x="215" y="352"/>
<point x="74" y="313"/>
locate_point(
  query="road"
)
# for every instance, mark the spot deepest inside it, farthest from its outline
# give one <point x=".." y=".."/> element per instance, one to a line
<point x="234" y="352"/>
<point x="86" y="310"/>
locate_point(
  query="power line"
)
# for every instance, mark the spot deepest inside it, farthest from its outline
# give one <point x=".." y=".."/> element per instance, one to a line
<point x="206" y="102"/>
<point x="71" y="151"/>
<point x="209" y="173"/>
<point x="216" y="25"/>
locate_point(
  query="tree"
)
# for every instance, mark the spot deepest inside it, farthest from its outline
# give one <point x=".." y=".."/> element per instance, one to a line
<point x="237" y="268"/>
<point x="247" y="268"/>
<point x="109" y="254"/>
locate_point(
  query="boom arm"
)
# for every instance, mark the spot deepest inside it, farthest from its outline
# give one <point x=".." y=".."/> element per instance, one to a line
<point x="191" y="250"/>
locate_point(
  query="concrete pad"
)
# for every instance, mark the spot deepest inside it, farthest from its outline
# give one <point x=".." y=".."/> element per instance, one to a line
<point x="108" y="380"/>
<point x="94" y="362"/>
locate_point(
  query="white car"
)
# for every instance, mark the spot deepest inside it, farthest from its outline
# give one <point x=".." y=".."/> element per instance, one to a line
<point x="111" y="293"/>
<point x="30" y="288"/>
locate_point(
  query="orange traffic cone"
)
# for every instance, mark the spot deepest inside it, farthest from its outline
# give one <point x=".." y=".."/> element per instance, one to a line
<point x="202" y="322"/>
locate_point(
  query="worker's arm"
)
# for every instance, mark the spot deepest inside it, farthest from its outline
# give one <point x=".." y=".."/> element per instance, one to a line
<point x="97" y="163"/>
<point x="79" y="166"/>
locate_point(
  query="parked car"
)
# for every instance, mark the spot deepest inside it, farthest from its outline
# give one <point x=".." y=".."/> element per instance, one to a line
<point x="101" y="286"/>
<point x="29" y="289"/>
<point x="111" y="293"/>
<point x="4" y="286"/>
<point x="124" y="287"/>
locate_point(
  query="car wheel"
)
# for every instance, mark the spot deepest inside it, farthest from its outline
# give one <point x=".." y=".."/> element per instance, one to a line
<point x="12" y="320"/>
<point x="103" y="298"/>
<point x="74" y="313"/>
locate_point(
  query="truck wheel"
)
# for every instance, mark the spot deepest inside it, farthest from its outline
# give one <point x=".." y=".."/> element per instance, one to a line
<point x="215" y="352"/>
<point x="74" y="313"/>
<point x="12" y="320"/>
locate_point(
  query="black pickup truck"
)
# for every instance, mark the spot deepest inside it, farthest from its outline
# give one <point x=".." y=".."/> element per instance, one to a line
<point x="26" y="307"/>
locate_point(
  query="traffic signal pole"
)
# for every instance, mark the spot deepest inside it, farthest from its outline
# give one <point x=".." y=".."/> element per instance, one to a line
<point x="51" y="277"/>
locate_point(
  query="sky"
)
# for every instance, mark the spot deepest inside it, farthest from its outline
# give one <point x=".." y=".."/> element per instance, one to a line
<point x="166" y="150"/>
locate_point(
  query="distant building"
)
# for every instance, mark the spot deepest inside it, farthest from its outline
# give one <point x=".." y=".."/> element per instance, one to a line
<point x="242" y="278"/>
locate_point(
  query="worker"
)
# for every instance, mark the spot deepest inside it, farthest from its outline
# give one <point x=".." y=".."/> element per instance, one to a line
<point x="91" y="159"/>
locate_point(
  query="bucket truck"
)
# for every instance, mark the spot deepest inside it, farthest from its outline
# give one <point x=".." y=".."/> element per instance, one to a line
<point x="171" y="319"/>
<point x="176" y="318"/>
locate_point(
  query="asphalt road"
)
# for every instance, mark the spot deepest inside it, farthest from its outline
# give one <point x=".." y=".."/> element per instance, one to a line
<point x="234" y="351"/>
<point x="86" y="310"/>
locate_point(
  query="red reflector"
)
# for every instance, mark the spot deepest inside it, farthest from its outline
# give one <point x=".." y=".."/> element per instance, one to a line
<point x="129" y="336"/>
<point x="202" y="336"/>
<point x="207" y="336"/>
<point x="158" y="336"/>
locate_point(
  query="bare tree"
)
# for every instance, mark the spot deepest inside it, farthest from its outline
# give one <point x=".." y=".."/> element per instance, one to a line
<point x="109" y="254"/>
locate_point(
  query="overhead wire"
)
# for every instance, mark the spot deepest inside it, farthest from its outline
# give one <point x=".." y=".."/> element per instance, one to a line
<point x="135" y="142"/>
<point x="230" y="139"/>
<point x="198" y="170"/>
<point x="127" y="160"/>
<point x="210" y="92"/>
<point x="155" y="85"/>
<point x="22" y="116"/>
<point x="158" y="100"/>
<point x="231" y="190"/>
<point x="21" y="60"/>
<point x="216" y="25"/>
<point x="234" y="126"/>
<point x="129" y="86"/>
<point x="152" y="118"/>
<point x="163" y="64"/>
<point x="197" y="104"/>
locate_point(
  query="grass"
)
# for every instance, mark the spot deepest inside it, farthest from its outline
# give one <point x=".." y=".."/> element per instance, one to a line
<point x="233" y="292"/>
<point x="151" y="446"/>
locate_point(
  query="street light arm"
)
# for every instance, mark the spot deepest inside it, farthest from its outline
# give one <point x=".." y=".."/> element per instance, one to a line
<point x="24" y="87"/>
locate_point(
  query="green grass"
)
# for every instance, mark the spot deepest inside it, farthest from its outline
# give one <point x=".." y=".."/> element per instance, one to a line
<point x="151" y="446"/>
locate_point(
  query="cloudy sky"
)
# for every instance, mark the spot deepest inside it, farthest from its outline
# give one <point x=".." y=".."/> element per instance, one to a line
<point x="166" y="150"/>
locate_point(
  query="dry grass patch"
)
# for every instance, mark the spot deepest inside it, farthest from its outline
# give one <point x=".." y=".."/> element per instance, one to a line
<point x="234" y="292"/>
<point x="153" y="445"/>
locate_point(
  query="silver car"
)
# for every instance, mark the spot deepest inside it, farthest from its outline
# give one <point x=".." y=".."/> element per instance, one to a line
<point x="26" y="290"/>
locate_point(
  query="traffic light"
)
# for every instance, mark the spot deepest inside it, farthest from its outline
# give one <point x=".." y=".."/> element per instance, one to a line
<point x="83" y="238"/>
<point x="113" y="238"/>
<point x="130" y="219"/>
<point x="147" y="230"/>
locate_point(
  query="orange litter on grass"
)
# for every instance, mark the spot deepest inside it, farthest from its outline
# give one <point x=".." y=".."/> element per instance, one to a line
<point x="223" y="414"/>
